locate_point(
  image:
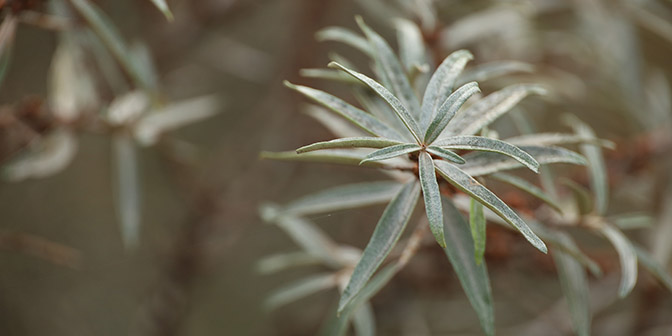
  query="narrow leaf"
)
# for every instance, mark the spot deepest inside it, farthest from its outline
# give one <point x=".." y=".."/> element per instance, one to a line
<point x="365" y="142"/>
<point x="473" y="276"/>
<point x="432" y="197"/>
<point x="396" y="105"/>
<point x="163" y="7"/>
<point x="441" y="83"/>
<point x="487" y="71"/>
<point x="324" y="156"/>
<point x="411" y="44"/>
<point x="473" y="188"/>
<point x="574" y="284"/>
<point x="48" y="156"/>
<point x="477" y="223"/>
<point x="654" y="267"/>
<point x="445" y="154"/>
<point x="632" y="221"/>
<point x="346" y="36"/>
<point x="299" y="290"/>
<point x="627" y="256"/>
<point x="279" y="262"/>
<point x="527" y="187"/>
<point x="337" y="125"/>
<point x="328" y="74"/>
<point x="484" y="163"/>
<point x="363" y="321"/>
<point x="387" y="232"/>
<point x="564" y="242"/>
<point x="554" y="139"/>
<point x="582" y="196"/>
<point x="489" y="145"/>
<point x="379" y="108"/>
<point x="391" y="152"/>
<point x="7" y="33"/>
<point x="448" y="109"/>
<point x="128" y="190"/>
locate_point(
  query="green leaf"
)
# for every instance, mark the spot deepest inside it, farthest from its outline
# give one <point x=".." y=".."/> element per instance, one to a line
<point x="562" y="241"/>
<point x="279" y="262"/>
<point x="485" y="111"/>
<point x="299" y="290"/>
<point x="446" y="154"/>
<point x="432" y="197"/>
<point x="632" y="221"/>
<point x="391" y="152"/>
<point x="358" y="117"/>
<point x="7" y="33"/>
<point x="163" y="7"/>
<point x="391" y="71"/>
<point x="328" y="74"/>
<point x="627" y="256"/>
<point x="346" y="36"/>
<point x="396" y="105"/>
<point x="324" y="156"/>
<point x="473" y="276"/>
<point x="477" y="224"/>
<point x="337" y="125"/>
<point x="654" y="267"/>
<point x="484" y="163"/>
<point x="527" y="187"/>
<point x="448" y="109"/>
<point x="411" y="44"/>
<point x="387" y="232"/>
<point x="582" y="196"/>
<point x="363" y="321"/>
<point x="379" y="108"/>
<point x="479" y="143"/>
<point x="128" y="190"/>
<point x="487" y="71"/>
<point x="441" y="83"/>
<point x="366" y="142"/>
<point x="574" y="284"/>
<point x="554" y="139"/>
<point x="473" y="188"/>
<point x="344" y="197"/>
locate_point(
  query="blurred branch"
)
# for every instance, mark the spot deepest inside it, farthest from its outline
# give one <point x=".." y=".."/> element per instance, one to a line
<point x="41" y="248"/>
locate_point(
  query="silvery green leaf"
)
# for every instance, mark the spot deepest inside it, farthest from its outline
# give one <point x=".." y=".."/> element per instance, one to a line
<point x="431" y="196"/>
<point x="142" y="57"/>
<point x="574" y="283"/>
<point x="484" y="163"/>
<point x="527" y="187"/>
<point x="333" y="122"/>
<point x="632" y="221"/>
<point x="347" y="36"/>
<point x="391" y="152"/>
<point x="380" y="109"/>
<point x="45" y="157"/>
<point x="128" y="190"/>
<point x="441" y="83"/>
<point x="279" y="262"/>
<point x="473" y="188"/>
<point x="163" y="7"/>
<point x="329" y="74"/>
<point x="360" y="118"/>
<point x="364" y="321"/>
<point x="596" y="165"/>
<point x="479" y="143"/>
<point x="391" y="71"/>
<point x="564" y="242"/>
<point x="365" y="142"/>
<point x="654" y="267"/>
<point x="324" y="156"/>
<point x="385" y="236"/>
<point x="396" y="105"/>
<point x="472" y="275"/>
<point x="445" y="154"/>
<point x="554" y="139"/>
<point x="127" y="108"/>
<point x="448" y="109"/>
<point x="582" y="196"/>
<point x="300" y="289"/>
<point x="477" y="224"/>
<point x="627" y="256"/>
<point x="486" y="71"/>
<point x="344" y="197"/>
<point x="411" y="44"/>
<point x="486" y="110"/>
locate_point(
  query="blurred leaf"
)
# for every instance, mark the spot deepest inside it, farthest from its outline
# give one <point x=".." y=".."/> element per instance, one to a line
<point x="7" y="33"/>
<point x="299" y="290"/>
<point x="334" y="123"/>
<point x="364" y="321"/>
<point x="489" y="145"/>
<point x="527" y="187"/>
<point x="360" y="118"/>
<point x="347" y="36"/>
<point x="328" y="74"/>
<point x="477" y="224"/>
<point x="632" y="221"/>
<point x="141" y="56"/>
<point x="365" y="142"/>
<point x="387" y="232"/>
<point x="486" y="71"/>
<point x="344" y="197"/>
<point x="431" y="196"/>
<point x="379" y="108"/>
<point x="564" y="242"/>
<point x="441" y="84"/>
<point x="582" y="196"/>
<point x="396" y="105"/>
<point x="473" y="276"/>
<point x="445" y="154"/>
<point x="575" y="288"/>
<point x="627" y="256"/>
<point x="411" y="44"/>
<point x="323" y="156"/>
<point x="279" y="262"/>
<point x="473" y="188"/>
<point x="447" y="110"/>
<point x="391" y="71"/>
<point x="391" y="152"/>
<point x="128" y="190"/>
<point x="486" y="110"/>
<point x="654" y="267"/>
<point x="45" y="157"/>
<point x="484" y="163"/>
<point x="127" y="108"/>
<point x="554" y="139"/>
<point x="163" y="7"/>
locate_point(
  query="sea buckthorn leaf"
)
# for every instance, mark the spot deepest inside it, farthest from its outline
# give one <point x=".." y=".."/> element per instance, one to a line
<point x="363" y="321"/>
<point x="484" y="163"/>
<point x="344" y="197"/>
<point x="346" y="36"/>
<point x="300" y="289"/>
<point x="654" y="267"/>
<point x="473" y="276"/>
<point x="479" y="143"/>
<point x="554" y="139"/>
<point x="7" y="33"/>
<point x="630" y="221"/>
<point x="486" y="71"/>
<point x="564" y="242"/>
<point x="582" y="196"/>
<point x="385" y="236"/>
<point x="396" y="105"/>
<point x="360" y="118"/>
<point x="431" y="196"/>
<point x="328" y="74"/>
<point x="163" y="7"/>
<point x="380" y="109"/>
<point x="574" y="284"/>
<point x="477" y="224"/>
<point x="445" y="154"/>
<point x="344" y="157"/>
<point x="280" y="262"/>
<point x="486" y="110"/>
<point x="627" y="257"/>
<point x="365" y="142"/>
<point x="473" y="188"/>
<point x="391" y="152"/>
<point x="412" y="49"/>
<point x="527" y="187"/>
<point x="448" y="109"/>
<point x="441" y="83"/>
<point x="128" y="190"/>
<point x="391" y="71"/>
<point x="46" y="157"/>
<point x="337" y="125"/>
